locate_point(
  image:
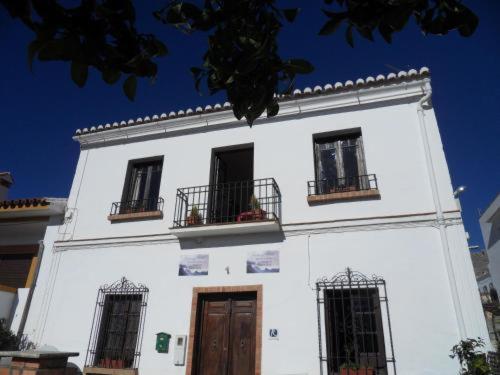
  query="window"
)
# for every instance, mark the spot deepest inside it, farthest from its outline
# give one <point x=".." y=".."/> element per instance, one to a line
<point x="353" y="327"/>
<point x="118" y="324"/>
<point x="340" y="163"/>
<point x="142" y="187"/>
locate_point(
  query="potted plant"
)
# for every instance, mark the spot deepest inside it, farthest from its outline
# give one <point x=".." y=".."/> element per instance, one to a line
<point x="354" y="369"/>
<point x="255" y="213"/>
<point x="194" y="217"/>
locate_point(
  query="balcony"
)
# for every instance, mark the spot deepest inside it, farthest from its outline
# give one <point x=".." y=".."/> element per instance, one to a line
<point x="344" y="188"/>
<point x="229" y="208"/>
<point x="141" y="209"/>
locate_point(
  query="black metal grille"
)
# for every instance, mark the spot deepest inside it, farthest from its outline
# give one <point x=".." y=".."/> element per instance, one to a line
<point x="230" y="202"/>
<point x="140" y="205"/>
<point x="351" y="312"/>
<point x="117" y="326"/>
<point x="342" y="184"/>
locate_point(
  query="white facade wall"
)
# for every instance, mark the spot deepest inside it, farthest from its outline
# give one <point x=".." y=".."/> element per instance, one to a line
<point x="433" y="299"/>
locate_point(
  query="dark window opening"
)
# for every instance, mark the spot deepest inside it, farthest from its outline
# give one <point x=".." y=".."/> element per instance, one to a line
<point x="117" y="327"/>
<point x="232" y="185"/>
<point x="354" y="329"/>
<point x="142" y="186"/>
<point x="14" y="269"/>
<point x="351" y="325"/>
<point x="340" y="164"/>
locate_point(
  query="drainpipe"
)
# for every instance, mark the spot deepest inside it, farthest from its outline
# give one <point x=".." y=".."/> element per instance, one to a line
<point x="439" y="211"/>
<point x="26" y="310"/>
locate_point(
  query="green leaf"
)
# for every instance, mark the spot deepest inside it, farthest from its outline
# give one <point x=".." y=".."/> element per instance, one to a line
<point x="333" y="23"/>
<point x="129" y="87"/>
<point x="33" y="48"/>
<point x="470" y="25"/>
<point x="110" y="76"/>
<point x="349" y="36"/>
<point x="79" y="72"/>
<point x="300" y="66"/>
<point x="161" y="49"/>
<point x="291" y="14"/>
<point x="273" y="109"/>
<point x="386" y="32"/>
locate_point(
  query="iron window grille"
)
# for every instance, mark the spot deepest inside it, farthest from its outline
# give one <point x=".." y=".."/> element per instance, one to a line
<point x="353" y="313"/>
<point x="342" y="184"/>
<point x="135" y="206"/>
<point x="225" y="203"/>
<point x="117" y="327"/>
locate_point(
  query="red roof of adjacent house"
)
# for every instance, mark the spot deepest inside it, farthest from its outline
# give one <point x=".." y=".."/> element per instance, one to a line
<point x="24" y="203"/>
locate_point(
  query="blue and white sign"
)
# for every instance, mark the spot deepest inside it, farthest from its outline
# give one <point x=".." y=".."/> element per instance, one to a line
<point x="274" y="334"/>
<point x="263" y="261"/>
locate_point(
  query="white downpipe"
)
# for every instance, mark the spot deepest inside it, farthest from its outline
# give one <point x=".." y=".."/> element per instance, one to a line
<point x="439" y="210"/>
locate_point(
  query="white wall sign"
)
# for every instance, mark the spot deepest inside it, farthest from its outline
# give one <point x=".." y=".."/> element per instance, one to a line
<point x="263" y="261"/>
<point x="193" y="265"/>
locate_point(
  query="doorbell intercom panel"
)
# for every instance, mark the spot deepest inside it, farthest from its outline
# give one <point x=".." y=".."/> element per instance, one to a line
<point x="180" y="350"/>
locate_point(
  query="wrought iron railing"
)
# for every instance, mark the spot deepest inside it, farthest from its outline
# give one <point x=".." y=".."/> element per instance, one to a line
<point x="342" y="184"/>
<point x="231" y="202"/>
<point x="354" y="326"/>
<point x="118" y="325"/>
<point x="139" y="205"/>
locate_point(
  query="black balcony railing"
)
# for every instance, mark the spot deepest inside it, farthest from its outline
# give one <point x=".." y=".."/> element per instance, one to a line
<point x="343" y="184"/>
<point x="230" y="202"/>
<point x="135" y="206"/>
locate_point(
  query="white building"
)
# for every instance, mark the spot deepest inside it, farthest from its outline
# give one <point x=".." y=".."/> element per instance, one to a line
<point x="272" y="272"/>
<point x="490" y="228"/>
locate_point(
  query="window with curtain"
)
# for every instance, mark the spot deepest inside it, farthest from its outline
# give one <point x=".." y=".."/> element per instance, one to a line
<point x="340" y="163"/>
<point x="142" y="187"/>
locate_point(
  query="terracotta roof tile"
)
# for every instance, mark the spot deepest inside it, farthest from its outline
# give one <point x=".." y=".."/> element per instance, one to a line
<point x="328" y="89"/>
<point x="23" y="203"/>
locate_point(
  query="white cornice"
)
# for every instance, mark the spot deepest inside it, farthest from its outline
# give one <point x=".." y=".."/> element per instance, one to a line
<point x="303" y="105"/>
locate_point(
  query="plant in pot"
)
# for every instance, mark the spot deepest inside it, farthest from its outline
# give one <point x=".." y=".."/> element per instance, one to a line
<point x="255" y="213"/>
<point x="194" y="217"/>
<point x="354" y="369"/>
<point x="471" y="357"/>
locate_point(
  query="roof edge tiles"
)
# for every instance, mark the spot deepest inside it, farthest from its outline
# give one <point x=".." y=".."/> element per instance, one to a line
<point x="24" y="203"/>
<point x="328" y="89"/>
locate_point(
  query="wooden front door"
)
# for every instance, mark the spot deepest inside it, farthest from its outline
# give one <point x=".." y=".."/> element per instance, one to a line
<point x="226" y="335"/>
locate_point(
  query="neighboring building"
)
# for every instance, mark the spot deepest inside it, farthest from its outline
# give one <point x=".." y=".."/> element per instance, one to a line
<point x="489" y="287"/>
<point x="480" y="262"/>
<point x="6" y="182"/>
<point x="23" y="225"/>
<point x="255" y="249"/>
<point x="490" y="228"/>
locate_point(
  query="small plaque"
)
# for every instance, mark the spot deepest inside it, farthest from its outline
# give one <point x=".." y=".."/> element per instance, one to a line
<point x="274" y="334"/>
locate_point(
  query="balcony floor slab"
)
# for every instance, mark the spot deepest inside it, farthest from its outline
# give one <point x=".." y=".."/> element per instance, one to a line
<point x="197" y="231"/>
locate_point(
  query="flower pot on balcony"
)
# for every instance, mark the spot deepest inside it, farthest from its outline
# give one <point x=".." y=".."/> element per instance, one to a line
<point x="112" y="363"/>
<point x="252" y="215"/>
<point x="357" y="371"/>
<point x="193" y="220"/>
<point x="194" y="217"/>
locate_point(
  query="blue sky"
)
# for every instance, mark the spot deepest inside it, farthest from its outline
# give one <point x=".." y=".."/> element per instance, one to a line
<point x="40" y="110"/>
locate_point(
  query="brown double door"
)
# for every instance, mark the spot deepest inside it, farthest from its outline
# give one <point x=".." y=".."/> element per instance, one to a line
<point x="226" y="335"/>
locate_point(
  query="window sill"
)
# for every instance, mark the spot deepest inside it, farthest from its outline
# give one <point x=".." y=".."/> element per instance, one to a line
<point x="109" y="371"/>
<point x="344" y="196"/>
<point x="117" y="218"/>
